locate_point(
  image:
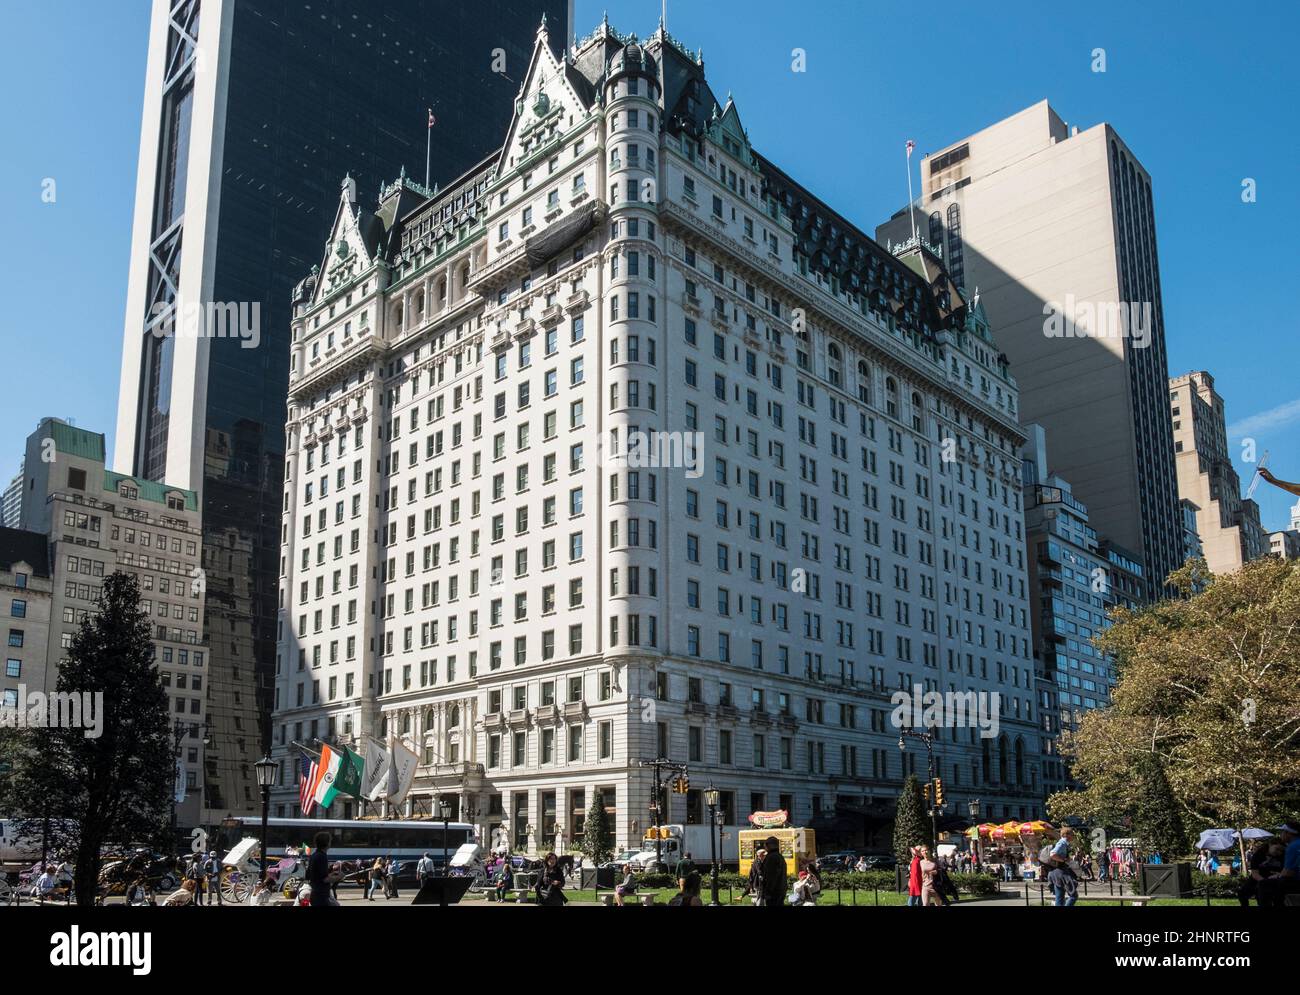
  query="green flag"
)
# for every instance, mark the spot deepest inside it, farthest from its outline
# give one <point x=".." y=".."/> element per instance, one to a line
<point x="351" y="771"/>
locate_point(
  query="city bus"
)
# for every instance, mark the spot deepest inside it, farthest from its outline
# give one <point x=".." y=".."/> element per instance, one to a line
<point x="404" y="841"/>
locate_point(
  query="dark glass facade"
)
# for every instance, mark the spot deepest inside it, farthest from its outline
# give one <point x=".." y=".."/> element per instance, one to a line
<point x="317" y="90"/>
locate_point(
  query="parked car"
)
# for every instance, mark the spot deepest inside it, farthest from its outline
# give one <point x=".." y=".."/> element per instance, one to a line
<point x="881" y="861"/>
<point x="835" y="861"/>
<point x="621" y="858"/>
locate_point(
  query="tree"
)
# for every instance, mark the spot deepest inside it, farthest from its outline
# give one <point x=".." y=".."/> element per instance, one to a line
<point x="911" y="824"/>
<point x="597" y="836"/>
<point x="1157" y="821"/>
<point x="1208" y="686"/>
<point x="108" y="765"/>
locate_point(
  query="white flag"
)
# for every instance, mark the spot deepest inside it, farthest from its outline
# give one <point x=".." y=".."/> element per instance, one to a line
<point x="401" y="772"/>
<point x="378" y="761"/>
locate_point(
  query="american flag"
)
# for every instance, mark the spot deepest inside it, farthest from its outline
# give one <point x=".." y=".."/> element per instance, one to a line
<point x="432" y="120"/>
<point x="306" y="783"/>
<point x="911" y="145"/>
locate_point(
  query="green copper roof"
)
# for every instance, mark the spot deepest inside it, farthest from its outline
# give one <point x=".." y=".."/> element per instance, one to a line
<point x="73" y="441"/>
<point x="150" y="490"/>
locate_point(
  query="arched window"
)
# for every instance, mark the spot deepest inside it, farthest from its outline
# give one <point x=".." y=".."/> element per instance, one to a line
<point x="918" y="412"/>
<point x="1020" y="760"/>
<point x="453" y="721"/>
<point x="891" y="397"/>
<point x="428" y="720"/>
<point x="442" y="291"/>
<point x="419" y="303"/>
<point x="864" y="382"/>
<point x="406" y="724"/>
<point x="383" y="727"/>
<point x="835" y="365"/>
<point x="397" y="317"/>
<point x="936" y="230"/>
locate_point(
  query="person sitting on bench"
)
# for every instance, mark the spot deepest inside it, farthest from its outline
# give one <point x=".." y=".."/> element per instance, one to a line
<point x="628" y="887"/>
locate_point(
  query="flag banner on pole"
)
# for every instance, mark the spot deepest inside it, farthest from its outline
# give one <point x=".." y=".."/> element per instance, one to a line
<point x="330" y="761"/>
<point x="306" y="784"/>
<point x="375" y="780"/>
<point x="351" y="773"/>
<point x="401" y="772"/>
<point x="179" y="785"/>
<point x="911" y="146"/>
<point x="432" y="120"/>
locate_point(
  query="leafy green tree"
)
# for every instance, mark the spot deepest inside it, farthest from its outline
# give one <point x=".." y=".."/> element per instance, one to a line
<point x="1208" y="695"/>
<point x="110" y="776"/>
<point x="597" y="834"/>
<point x="911" y="824"/>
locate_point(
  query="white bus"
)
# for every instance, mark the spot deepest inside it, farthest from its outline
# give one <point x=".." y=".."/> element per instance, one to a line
<point x="355" y="839"/>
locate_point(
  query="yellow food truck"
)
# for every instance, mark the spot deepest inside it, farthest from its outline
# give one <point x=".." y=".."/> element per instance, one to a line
<point x="798" y="846"/>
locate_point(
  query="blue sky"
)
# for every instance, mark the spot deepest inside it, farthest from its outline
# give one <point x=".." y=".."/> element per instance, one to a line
<point x="1196" y="89"/>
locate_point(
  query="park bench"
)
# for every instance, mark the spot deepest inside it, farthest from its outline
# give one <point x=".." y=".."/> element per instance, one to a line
<point x="606" y="897"/>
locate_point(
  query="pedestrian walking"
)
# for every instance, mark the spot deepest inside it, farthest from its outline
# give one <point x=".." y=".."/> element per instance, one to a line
<point x="772" y="874"/>
<point x="195" y="874"/>
<point x="424" y="869"/>
<point x="376" y="878"/>
<point x="928" y="869"/>
<point x="914" y="877"/>
<point x="212" y="871"/>
<point x="320" y="875"/>
<point x="391" y="869"/>
<point x="1065" y="886"/>
<point x="685" y="867"/>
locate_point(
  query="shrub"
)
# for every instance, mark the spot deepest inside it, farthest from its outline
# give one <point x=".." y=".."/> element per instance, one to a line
<point x="975" y="884"/>
<point x="1220" y="886"/>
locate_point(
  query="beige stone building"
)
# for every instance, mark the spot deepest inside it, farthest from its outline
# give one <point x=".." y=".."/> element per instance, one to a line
<point x="97" y="522"/>
<point x="25" y="590"/>
<point x="1053" y="228"/>
<point x="1227" y="524"/>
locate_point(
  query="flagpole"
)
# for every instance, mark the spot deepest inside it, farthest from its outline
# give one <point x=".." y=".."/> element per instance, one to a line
<point x="911" y="209"/>
<point x="428" y="145"/>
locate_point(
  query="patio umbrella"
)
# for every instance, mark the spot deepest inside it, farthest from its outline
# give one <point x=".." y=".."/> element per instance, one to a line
<point x="1216" y="839"/>
<point x="1255" y="834"/>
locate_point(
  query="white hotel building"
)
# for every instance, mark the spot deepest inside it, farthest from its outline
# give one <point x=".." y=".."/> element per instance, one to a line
<point x="469" y="562"/>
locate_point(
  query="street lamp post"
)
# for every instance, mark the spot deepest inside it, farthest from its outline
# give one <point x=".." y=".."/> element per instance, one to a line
<point x="444" y="809"/>
<point x="711" y="800"/>
<point x="928" y="739"/>
<point x="266" y="770"/>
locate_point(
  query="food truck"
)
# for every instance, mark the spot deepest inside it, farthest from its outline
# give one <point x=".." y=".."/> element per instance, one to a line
<point x="798" y="845"/>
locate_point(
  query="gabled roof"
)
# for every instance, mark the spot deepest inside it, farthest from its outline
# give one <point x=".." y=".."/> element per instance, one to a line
<point x="548" y="82"/>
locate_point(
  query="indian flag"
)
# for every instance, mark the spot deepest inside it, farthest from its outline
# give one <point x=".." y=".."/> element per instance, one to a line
<point x="340" y="773"/>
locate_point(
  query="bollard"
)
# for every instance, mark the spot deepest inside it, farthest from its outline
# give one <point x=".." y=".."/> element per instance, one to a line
<point x="876" y="889"/>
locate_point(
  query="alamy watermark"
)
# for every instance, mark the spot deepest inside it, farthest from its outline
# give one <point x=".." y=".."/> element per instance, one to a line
<point x="1074" y="319"/>
<point x="921" y="709"/>
<point x="209" y="320"/>
<point x="653" y="450"/>
<point x="58" y="709"/>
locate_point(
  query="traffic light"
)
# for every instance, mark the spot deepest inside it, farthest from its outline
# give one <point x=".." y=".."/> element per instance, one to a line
<point x="938" y="792"/>
<point x="925" y="788"/>
<point x="681" y="784"/>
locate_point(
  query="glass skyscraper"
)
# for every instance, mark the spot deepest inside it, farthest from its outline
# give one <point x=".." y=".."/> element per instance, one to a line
<point x="254" y="111"/>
